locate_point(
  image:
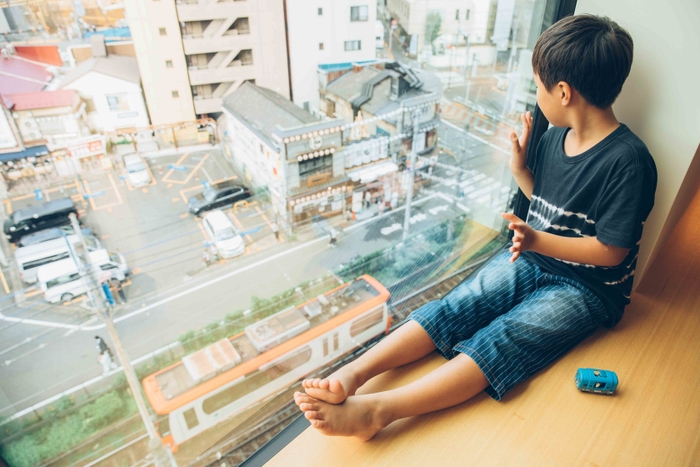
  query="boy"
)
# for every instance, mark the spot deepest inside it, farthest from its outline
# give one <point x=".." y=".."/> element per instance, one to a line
<point x="569" y="268"/>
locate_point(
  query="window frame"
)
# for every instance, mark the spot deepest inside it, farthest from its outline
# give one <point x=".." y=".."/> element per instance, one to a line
<point x="359" y="17"/>
<point x="353" y="41"/>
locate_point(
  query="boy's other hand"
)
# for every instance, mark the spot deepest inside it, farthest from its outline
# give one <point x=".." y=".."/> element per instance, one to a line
<point x="523" y="234"/>
<point x="519" y="145"/>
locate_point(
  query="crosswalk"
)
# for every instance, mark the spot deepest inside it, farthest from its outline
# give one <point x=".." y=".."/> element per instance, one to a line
<point x="478" y="187"/>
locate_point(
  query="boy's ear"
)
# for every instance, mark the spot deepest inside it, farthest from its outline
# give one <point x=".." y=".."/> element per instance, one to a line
<point x="564" y="92"/>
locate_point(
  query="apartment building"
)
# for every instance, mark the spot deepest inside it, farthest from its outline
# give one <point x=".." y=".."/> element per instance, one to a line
<point x="326" y="33"/>
<point x="193" y="53"/>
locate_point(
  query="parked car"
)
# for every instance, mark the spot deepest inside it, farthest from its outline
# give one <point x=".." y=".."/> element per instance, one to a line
<point x="35" y="218"/>
<point x="30" y="258"/>
<point x="223" y="234"/>
<point x="51" y="234"/>
<point x="136" y="171"/>
<point x="61" y="281"/>
<point x="219" y="195"/>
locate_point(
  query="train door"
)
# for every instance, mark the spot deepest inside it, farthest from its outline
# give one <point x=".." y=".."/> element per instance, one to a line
<point x="331" y="345"/>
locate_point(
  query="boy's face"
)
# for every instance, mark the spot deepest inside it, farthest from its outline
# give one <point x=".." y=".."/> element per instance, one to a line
<point x="550" y="103"/>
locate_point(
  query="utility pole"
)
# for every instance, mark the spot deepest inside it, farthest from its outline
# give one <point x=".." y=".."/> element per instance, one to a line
<point x="411" y="175"/>
<point x="162" y="457"/>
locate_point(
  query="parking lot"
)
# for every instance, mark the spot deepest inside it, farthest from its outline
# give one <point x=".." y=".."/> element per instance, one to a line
<point x="162" y="242"/>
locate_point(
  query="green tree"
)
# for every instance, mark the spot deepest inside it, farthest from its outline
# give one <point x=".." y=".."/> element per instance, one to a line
<point x="433" y="23"/>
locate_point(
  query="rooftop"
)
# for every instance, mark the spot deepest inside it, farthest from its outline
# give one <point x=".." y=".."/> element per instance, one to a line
<point x="19" y="76"/>
<point x="43" y="99"/>
<point x="116" y="66"/>
<point x="262" y="110"/>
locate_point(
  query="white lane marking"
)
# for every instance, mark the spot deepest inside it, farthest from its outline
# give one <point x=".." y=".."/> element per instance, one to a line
<point x="438" y="209"/>
<point x="388" y="213"/>
<point x="391" y="229"/>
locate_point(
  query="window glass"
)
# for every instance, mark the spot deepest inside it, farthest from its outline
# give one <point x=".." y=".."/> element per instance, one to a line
<point x="359" y="13"/>
<point x="254" y="382"/>
<point x="191" y="418"/>
<point x="379" y="167"/>
<point x="62" y="280"/>
<point x="40" y="262"/>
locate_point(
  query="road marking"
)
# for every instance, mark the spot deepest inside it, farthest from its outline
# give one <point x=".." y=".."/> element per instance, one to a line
<point x="393" y="228"/>
<point x="105" y="236"/>
<point x="438" y="209"/>
<point x="169" y="172"/>
<point x="388" y="213"/>
<point x="144" y="189"/>
<point x="481" y="140"/>
<point x="135" y="271"/>
<point x="175" y="200"/>
<point x="31" y="294"/>
<point x="183" y="215"/>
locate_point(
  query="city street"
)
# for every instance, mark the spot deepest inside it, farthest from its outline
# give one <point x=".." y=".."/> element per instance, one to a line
<point x="170" y="290"/>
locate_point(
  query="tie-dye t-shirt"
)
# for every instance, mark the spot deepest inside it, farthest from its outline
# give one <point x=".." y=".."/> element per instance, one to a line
<point x="606" y="192"/>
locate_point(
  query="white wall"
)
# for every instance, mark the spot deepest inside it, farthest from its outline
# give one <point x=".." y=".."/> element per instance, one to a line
<point x="307" y="29"/>
<point x="660" y="101"/>
<point x="97" y="87"/>
<point x="145" y="17"/>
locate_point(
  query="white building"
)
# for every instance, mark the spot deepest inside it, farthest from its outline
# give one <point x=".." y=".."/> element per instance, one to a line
<point x="285" y="149"/>
<point x="111" y="88"/>
<point x="193" y="53"/>
<point x="326" y="33"/>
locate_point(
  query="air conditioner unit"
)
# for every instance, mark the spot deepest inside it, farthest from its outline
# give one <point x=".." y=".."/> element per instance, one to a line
<point x="35" y="135"/>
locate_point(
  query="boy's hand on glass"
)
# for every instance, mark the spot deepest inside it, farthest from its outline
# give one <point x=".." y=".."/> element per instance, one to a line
<point x="519" y="145"/>
<point x="523" y="234"/>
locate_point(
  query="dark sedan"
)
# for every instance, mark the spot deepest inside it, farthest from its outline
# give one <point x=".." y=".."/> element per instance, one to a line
<point x="220" y="195"/>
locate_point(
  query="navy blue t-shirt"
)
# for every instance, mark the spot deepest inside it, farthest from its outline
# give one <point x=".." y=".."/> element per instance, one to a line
<point x="605" y="192"/>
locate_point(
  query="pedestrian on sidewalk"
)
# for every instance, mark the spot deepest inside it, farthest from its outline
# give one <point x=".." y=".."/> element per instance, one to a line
<point x="116" y="285"/>
<point x="276" y="230"/>
<point x="334" y="237"/>
<point x="214" y="251"/>
<point x="380" y="208"/>
<point x="206" y="258"/>
<point x="107" y="364"/>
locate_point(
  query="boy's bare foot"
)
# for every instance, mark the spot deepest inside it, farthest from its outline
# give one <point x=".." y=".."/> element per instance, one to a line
<point x="334" y="389"/>
<point x="357" y="416"/>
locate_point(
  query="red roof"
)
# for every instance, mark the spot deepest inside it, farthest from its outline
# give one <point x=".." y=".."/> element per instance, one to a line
<point x="47" y="54"/>
<point x="42" y="99"/>
<point x="19" y="76"/>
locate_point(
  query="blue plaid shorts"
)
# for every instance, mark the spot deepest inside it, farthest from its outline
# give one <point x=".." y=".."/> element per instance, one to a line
<point x="512" y="319"/>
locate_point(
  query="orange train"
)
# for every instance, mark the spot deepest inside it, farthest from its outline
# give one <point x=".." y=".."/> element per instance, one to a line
<point x="232" y="375"/>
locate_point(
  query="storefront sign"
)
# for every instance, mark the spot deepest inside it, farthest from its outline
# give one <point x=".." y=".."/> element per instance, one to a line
<point x="86" y="148"/>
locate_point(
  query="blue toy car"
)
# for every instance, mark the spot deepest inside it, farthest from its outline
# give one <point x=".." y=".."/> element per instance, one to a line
<point x="595" y="380"/>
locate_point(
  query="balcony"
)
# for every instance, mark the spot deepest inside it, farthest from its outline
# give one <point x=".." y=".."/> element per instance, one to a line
<point x="193" y="45"/>
<point x="203" y="10"/>
<point x="207" y="105"/>
<point x="220" y="75"/>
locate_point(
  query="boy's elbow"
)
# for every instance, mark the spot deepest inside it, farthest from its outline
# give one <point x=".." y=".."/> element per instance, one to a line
<point x="614" y="255"/>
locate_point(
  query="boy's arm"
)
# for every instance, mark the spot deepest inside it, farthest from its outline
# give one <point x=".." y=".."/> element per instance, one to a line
<point x="588" y="250"/>
<point x="523" y="176"/>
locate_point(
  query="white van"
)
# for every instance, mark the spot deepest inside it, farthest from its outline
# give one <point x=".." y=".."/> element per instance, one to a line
<point x="61" y="281"/>
<point x="30" y="258"/>
<point x="136" y="171"/>
<point x="223" y="234"/>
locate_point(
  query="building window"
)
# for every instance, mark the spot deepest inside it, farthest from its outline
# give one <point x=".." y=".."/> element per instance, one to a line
<point x="168" y="64"/>
<point x="466" y="15"/>
<point x="117" y="102"/>
<point x="162" y="31"/>
<point x="456" y="14"/>
<point x="352" y="45"/>
<point x="316" y="165"/>
<point x="175" y="94"/>
<point x="320" y="12"/>
<point x="320" y="46"/>
<point x="359" y="13"/>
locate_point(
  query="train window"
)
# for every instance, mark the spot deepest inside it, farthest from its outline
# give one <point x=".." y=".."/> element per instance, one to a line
<point x="335" y="342"/>
<point x="362" y="324"/>
<point x="191" y="418"/>
<point x="164" y="426"/>
<point x="325" y="347"/>
<point x="255" y="381"/>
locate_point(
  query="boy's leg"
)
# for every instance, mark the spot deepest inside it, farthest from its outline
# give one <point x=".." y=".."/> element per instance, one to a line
<point x="439" y="324"/>
<point x="543" y="327"/>
<point x="406" y="344"/>
<point x="363" y="416"/>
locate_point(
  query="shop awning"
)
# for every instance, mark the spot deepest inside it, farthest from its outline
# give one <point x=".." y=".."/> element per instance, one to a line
<point x="29" y="152"/>
<point x="372" y="172"/>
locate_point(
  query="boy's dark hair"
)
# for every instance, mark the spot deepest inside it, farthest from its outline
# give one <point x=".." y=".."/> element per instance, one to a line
<point x="592" y="54"/>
